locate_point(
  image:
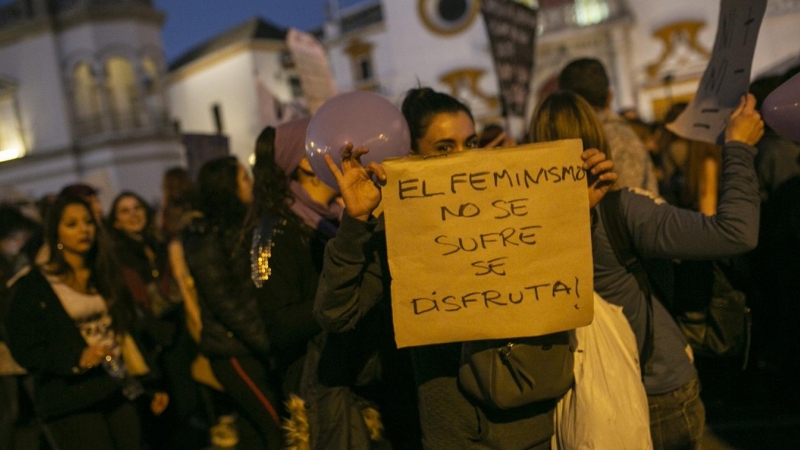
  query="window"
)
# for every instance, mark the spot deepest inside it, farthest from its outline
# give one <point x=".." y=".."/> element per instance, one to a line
<point x="590" y="12"/>
<point x="297" y="87"/>
<point x="85" y="100"/>
<point x="122" y="94"/>
<point x="360" y="53"/>
<point x="153" y="95"/>
<point x="365" y="69"/>
<point x="448" y="17"/>
<point x="12" y="145"/>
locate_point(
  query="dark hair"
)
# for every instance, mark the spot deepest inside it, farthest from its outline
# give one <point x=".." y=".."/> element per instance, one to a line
<point x="490" y="132"/>
<point x="219" y="199"/>
<point x="79" y="190"/>
<point x="421" y="105"/>
<point x="180" y="197"/>
<point x="178" y="186"/>
<point x="762" y="87"/>
<point x="271" y="194"/>
<point x="148" y="232"/>
<point x="12" y="220"/>
<point x="588" y="78"/>
<point x="105" y="276"/>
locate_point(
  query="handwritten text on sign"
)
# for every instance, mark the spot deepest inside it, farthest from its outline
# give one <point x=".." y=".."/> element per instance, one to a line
<point x="489" y="244"/>
<point x="727" y="76"/>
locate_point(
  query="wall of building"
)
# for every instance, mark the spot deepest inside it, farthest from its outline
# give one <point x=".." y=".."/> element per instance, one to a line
<point x="192" y="98"/>
<point x="406" y="54"/>
<point x="777" y="30"/>
<point x="32" y="63"/>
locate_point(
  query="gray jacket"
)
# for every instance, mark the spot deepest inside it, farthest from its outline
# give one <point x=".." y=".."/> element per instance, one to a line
<point x="355" y="280"/>
<point x="663" y="231"/>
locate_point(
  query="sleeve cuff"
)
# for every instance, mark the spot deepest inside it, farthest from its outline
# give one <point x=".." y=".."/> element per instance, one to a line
<point x="738" y="145"/>
<point x="353" y="235"/>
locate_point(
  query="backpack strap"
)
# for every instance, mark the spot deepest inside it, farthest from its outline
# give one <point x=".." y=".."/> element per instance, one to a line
<point x="621" y="242"/>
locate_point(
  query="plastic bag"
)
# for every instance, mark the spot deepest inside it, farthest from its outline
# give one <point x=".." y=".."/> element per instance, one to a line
<point x="607" y="407"/>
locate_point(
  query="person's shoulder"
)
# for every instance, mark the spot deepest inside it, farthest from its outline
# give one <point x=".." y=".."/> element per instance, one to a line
<point x="23" y="273"/>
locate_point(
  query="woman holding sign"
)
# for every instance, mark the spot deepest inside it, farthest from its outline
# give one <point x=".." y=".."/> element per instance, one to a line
<point x="355" y="285"/>
<point x="659" y="231"/>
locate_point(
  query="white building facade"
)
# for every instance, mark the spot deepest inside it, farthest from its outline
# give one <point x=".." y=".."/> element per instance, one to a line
<point x="235" y="84"/>
<point x="655" y="52"/>
<point x="82" y="95"/>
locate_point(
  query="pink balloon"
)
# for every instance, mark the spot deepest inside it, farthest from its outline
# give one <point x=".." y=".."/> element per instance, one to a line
<point x="781" y="109"/>
<point x="360" y="117"/>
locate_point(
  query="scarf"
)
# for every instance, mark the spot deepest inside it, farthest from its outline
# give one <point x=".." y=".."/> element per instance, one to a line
<point x="323" y="218"/>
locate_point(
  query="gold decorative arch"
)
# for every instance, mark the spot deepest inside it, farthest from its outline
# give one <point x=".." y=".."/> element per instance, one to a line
<point x="468" y="77"/>
<point x="669" y="34"/>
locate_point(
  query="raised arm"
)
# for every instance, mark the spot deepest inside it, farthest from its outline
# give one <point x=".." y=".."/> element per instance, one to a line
<point x="660" y="230"/>
<point x="352" y="279"/>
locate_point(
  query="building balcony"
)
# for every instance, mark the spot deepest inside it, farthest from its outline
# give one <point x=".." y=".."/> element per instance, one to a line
<point x="121" y="125"/>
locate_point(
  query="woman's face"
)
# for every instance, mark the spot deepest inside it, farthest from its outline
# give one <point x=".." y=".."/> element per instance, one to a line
<point x="245" y="182"/>
<point x="76" y="230"/>
<point x="448" y="133"/>
<point x="131" y="216"/>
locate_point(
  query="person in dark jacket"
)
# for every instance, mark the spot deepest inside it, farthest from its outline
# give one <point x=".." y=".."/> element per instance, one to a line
<point x="71" y="325"/>
<point x="288" y="224"/>
<point x="143" y="261"/>
<point x="662" y="231"/>
<point x="355" y="283"/>
<point x="233" y="336"/>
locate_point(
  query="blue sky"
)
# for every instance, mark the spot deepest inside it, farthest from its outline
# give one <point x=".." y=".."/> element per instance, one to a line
<point x="190" y="22"/>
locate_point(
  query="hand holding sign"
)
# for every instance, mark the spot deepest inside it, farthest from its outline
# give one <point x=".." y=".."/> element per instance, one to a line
<point x="745" y="124"/>
<point x="601" y="174"/>
<point x="728" y="74"/>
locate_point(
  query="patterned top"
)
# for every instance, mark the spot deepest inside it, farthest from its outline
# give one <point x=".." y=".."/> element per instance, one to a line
<point x="88" y="311"/>
<point x="632" y="162"/>
<point x="261" y="249"/>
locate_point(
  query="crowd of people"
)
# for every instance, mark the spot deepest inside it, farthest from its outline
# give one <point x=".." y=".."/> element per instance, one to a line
<point x="252" y="309"/>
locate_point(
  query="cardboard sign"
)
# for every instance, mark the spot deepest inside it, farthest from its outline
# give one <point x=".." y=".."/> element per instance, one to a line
<point x="489" y="244"/>
<point x="312" y="65"/>
<point x="727" y="76"/>
<point x="512" y="30"/>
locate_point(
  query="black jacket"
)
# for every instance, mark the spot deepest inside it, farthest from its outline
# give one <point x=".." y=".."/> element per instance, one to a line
<point x="44" y="339"/>
<point x="232" y="325"/>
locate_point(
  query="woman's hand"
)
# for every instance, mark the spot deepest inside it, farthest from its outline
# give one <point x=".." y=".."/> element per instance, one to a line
<point x="745" y="124"/>
<point x="159" y="403"/>
<point x="92" y="356"/>
<point x="358" y="191"/>
<point x="501" y="141"/>
<point x="600" y="174"/>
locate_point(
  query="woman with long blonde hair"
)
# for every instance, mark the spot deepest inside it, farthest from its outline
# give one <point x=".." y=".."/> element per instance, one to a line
<point x="659" y="231"/>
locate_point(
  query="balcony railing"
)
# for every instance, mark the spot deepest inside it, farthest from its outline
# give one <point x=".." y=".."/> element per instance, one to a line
<point x="121" y="124"/>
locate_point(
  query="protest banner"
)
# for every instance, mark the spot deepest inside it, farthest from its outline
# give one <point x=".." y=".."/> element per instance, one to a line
<point x="311" y="62"/>
<point x="488" y="244"/>
<point x="512" y="30"/>
<point x="727" y="76"/>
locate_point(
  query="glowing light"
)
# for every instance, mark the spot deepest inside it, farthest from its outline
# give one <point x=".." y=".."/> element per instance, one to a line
<point x="590" y="12"/>
<point x="251" y="159"/>
<point x="11" y="153"/>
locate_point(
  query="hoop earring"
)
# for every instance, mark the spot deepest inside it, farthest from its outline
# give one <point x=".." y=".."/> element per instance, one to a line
<point x="60" y="246"/>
